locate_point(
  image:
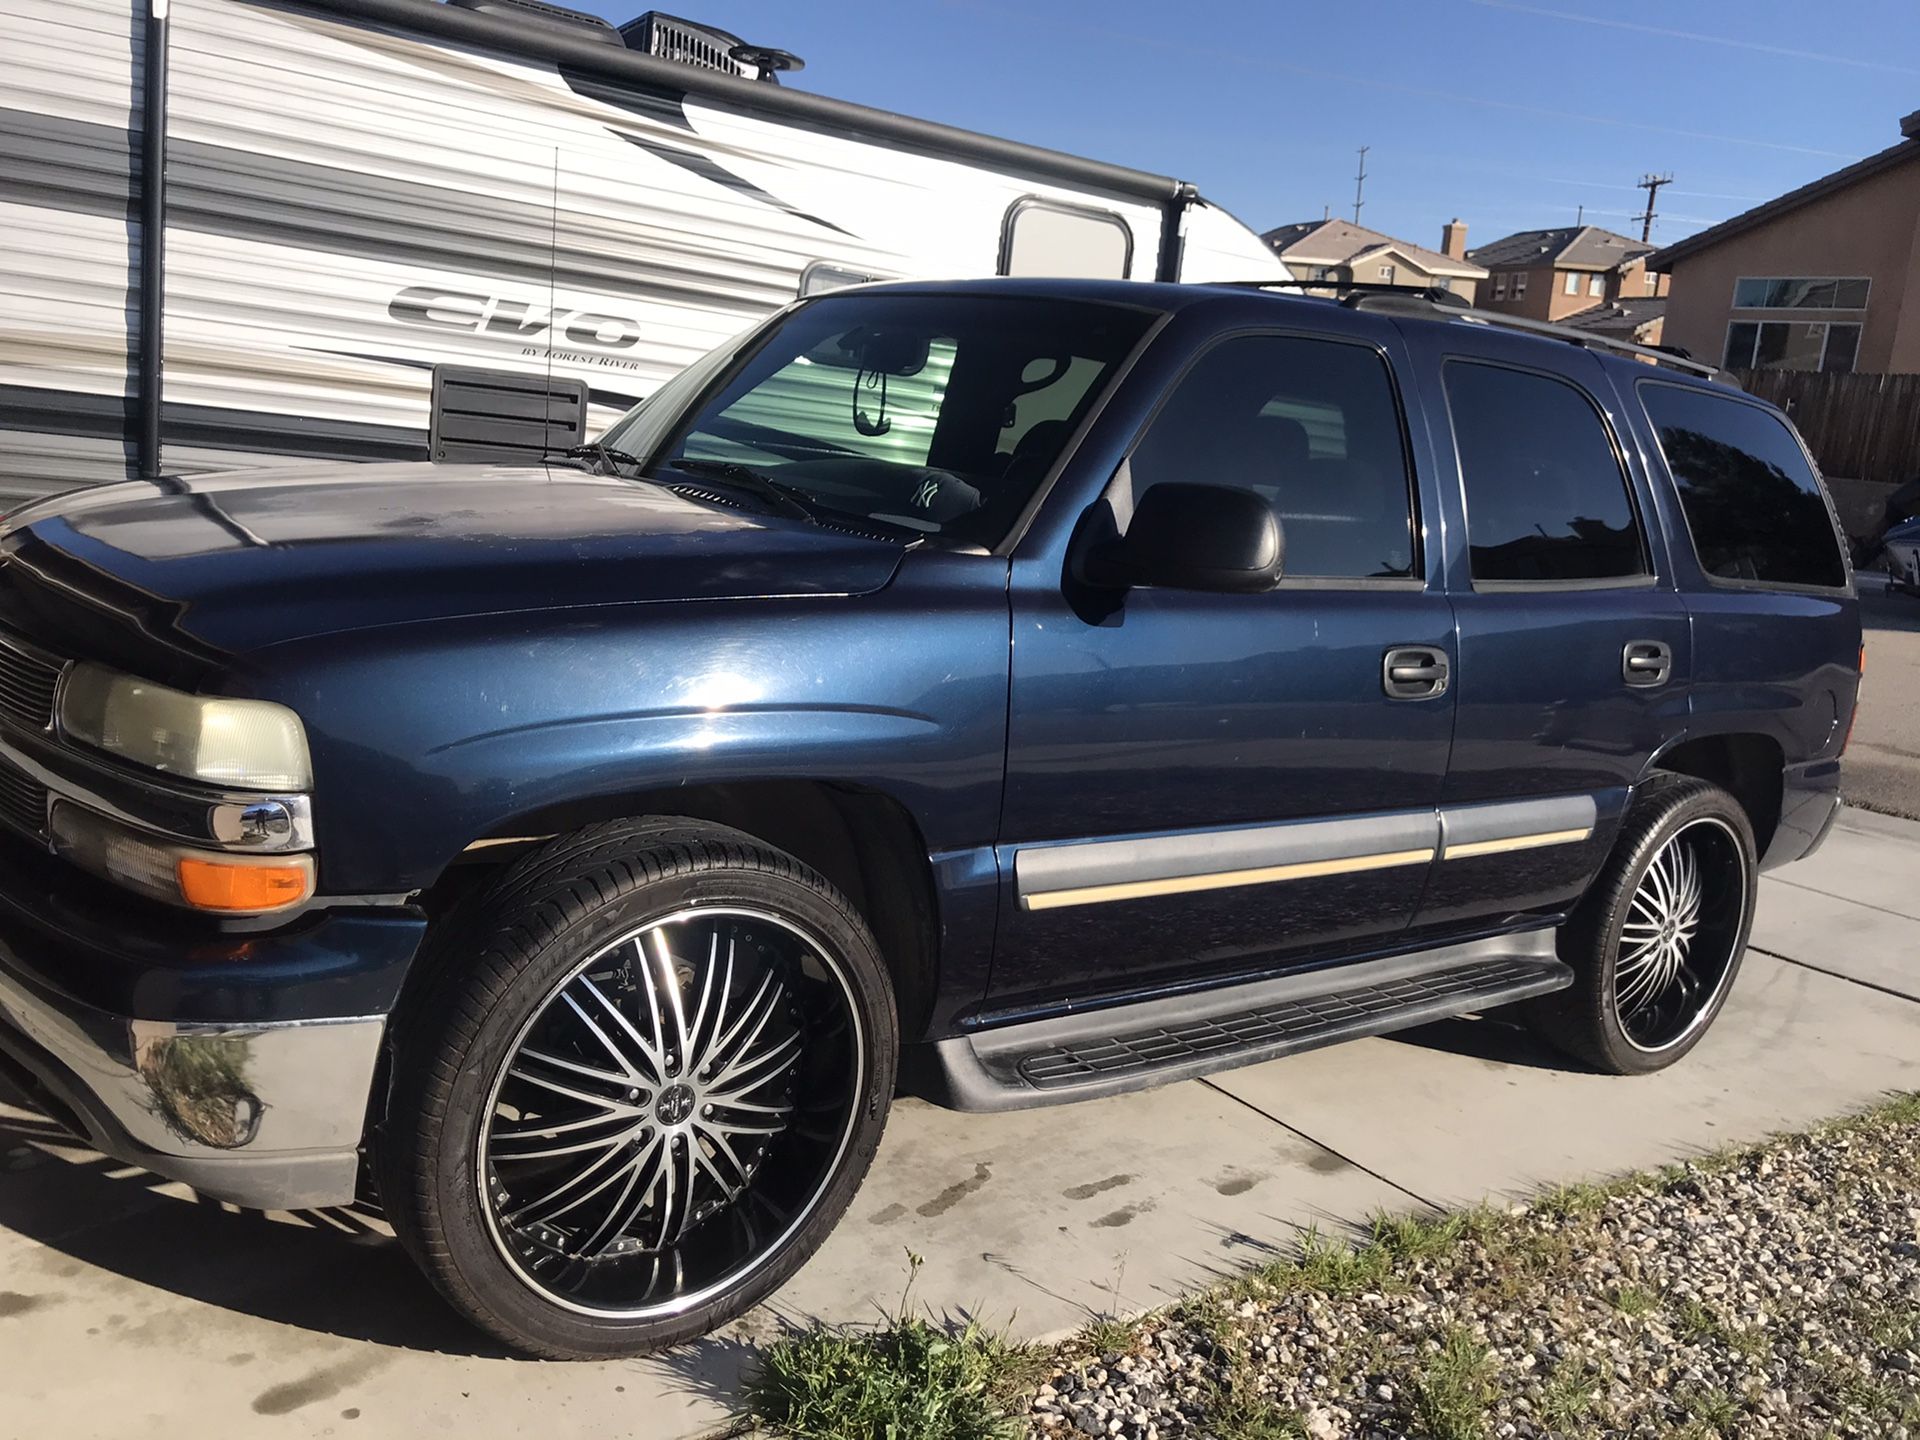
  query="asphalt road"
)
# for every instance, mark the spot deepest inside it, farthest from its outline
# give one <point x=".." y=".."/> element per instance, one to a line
<point x="1882" y="767"/>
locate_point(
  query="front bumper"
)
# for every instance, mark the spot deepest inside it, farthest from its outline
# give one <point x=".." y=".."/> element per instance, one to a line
<point x="266" y="1116"/>
<point x="239" y="1061"/>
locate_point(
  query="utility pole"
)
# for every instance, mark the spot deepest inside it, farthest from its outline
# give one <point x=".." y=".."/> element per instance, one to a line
<point x="1651" y="184"/>
<point x="1360" y="184"/>
<point x="1580" y="215"/>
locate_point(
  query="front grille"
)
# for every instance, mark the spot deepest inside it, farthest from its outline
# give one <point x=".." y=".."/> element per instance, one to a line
<point x="27" y="682"/>
<point x="23" y="801"/>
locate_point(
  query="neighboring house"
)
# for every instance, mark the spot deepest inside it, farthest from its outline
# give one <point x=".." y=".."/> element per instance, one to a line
<point x="1827" y="277"/>
<point x="1554" y="274"/>
<point x="1341" y="252"/>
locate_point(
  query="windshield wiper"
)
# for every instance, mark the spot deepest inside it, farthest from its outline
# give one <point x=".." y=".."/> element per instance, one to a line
<point x="790" y="499"/>
<point x="607" y="454"/>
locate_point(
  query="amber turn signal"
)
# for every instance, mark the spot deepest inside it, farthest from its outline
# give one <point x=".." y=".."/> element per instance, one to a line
<point x="243" y="887"/>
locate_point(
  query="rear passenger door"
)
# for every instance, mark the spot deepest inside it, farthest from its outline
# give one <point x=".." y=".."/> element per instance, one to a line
<point x="1574" y="647"/>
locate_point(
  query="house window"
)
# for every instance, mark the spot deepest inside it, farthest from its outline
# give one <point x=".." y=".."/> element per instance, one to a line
<point x="1520" y="285"/>
<point x="1387" y="273"/>
<point x="1573" y="283"/>
<point x="1320" y="272"/>
<point x="1801" y="294"/>
<point x="1500" y="287"/>
<point x="1653" y="281"/>
<point x="1791" y="345"/>
<point x="1443" y="282"/>
<point x="1596" y="285"/>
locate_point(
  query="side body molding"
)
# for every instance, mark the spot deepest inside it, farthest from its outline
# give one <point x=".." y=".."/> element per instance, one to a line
<point x="1093" y="872"/>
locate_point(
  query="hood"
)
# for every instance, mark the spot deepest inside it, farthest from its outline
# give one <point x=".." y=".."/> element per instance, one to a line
<point x="234" y="562"/>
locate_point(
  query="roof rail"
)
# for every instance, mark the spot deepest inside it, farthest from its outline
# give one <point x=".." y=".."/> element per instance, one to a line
<point x="1437" y="304"/>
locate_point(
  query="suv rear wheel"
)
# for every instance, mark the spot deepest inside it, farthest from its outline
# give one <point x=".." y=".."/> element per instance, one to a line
<point x="646" y="1076"/>
<point x="1657" y="941"/>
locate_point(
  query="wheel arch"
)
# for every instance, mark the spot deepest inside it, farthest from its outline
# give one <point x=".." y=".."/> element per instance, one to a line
<point x="863" y="840"/>
<point x="1749" y="766"/>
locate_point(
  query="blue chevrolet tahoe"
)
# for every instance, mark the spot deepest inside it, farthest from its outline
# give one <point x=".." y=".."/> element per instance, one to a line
<point x="1011" y="692"/>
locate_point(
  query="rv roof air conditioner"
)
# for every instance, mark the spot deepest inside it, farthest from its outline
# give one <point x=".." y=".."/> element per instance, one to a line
<point x="554" y="17"/>
<point x="706" y="47"/>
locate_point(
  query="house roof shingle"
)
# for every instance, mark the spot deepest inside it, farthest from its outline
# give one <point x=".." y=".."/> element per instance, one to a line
<point x="1571" y="247"/>
<point x="1618" y="317"/>
<point x="1339" y="242"/>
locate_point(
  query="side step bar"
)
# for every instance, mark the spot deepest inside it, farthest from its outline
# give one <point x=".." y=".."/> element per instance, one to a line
<point x="1152" y="1042"/>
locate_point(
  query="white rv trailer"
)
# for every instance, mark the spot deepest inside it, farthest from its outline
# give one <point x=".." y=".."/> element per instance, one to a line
<point x="411" y="229"/>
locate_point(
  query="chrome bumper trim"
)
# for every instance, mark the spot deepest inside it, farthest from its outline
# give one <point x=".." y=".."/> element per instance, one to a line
<point x="268" y="1116"/>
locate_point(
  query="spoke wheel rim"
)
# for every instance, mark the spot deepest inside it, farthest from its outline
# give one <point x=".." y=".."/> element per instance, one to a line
<point x="671" y="1112"/>
<point x="1680" y="937"/>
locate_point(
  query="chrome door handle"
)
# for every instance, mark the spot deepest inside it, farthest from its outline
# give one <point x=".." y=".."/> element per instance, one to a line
<point x="1414" y="672"/>
<point x="1646" y="663"/>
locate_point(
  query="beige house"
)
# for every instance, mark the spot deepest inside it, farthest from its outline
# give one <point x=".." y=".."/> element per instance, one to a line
<point x="1563" y="273"/>
<point x="1339" y="251"/>
<point x="1819" y="279"/>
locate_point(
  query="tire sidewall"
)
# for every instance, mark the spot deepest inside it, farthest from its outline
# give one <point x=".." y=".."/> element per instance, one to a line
<point x="1680" y="809"/>
<point x="471" y="1252"/>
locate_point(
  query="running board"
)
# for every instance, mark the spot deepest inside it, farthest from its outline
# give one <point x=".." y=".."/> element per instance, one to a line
<point x="1152" y="1042"/>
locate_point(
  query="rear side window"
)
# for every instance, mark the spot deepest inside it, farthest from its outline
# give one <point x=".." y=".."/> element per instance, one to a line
<point x="1312" y="426"/>
<point x="1751" y="499"/>
<point x="1546" y="497"/>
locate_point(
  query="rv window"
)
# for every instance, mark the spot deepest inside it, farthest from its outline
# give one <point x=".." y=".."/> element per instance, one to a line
<point x="932" y="414"/>
<point x="822" y="276"/>
<point x="1072" y="242"/>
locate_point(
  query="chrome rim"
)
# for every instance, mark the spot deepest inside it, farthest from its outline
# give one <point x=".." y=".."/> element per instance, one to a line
<point x="671" y="1113"/>
<point x="1681" y="936"/>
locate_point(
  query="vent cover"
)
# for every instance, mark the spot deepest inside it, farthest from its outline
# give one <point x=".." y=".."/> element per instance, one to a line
<point x="503" y="416"/>
<point x="706" y="47"/>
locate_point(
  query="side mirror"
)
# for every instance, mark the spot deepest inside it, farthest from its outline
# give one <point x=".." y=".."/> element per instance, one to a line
<point x="1193" y="537"/>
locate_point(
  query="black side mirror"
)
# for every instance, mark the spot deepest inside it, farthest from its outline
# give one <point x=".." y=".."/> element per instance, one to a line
<point x="1193" y="537"/>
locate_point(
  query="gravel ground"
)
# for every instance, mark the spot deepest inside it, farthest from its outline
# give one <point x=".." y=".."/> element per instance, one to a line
<point x="1772" y="1292"/>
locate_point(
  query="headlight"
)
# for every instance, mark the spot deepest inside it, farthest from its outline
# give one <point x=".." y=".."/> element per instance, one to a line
<point x="247" y="744"/>
<point x="164" y="869"/>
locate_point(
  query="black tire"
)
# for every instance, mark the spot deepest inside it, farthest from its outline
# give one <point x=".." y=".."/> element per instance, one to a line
<point x="515" y="957"/>
<point x="1587" y="1021"/>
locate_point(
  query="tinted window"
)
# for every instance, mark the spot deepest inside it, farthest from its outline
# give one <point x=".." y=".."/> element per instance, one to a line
<point x="1751" y="500"/>
<point x="1546" y="499"/>
<point x="1312" y="426"/>
<point x="932" y="413"/>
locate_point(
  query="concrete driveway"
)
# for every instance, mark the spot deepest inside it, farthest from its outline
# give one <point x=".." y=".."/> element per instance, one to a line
<point x="129" y="1308"/>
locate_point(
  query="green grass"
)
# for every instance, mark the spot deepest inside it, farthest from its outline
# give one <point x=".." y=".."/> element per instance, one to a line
<point x="1633" y="1301"/>
<point x="1454" y="1389"/>
<point x="1569" y="1397"/>
<point x="908" y="1380"/>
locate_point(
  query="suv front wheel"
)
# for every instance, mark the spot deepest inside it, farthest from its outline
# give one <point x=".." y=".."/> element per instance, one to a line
<point x="647" y="1072"/>
<point x="1657" y="941"/>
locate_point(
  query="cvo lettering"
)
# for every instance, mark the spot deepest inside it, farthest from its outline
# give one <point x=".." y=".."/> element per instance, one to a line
<point x="480" y="314"/>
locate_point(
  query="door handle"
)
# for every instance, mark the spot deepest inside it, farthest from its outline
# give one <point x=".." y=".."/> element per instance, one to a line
<point x="1646" y="663"/>
<point x="1414" y="672"/>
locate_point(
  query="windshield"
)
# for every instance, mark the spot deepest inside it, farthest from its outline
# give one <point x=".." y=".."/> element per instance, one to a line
<point x="938" y="414"/>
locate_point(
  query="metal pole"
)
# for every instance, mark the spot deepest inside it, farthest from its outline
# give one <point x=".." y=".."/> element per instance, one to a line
<point x="1360" y="184"/>
<point x="153" y="236"/>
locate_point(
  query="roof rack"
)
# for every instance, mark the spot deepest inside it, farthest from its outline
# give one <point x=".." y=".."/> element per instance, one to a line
<point x="1433" y="303"/>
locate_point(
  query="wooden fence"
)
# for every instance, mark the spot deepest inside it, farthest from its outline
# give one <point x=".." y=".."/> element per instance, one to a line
<point x="1859" y="427"/>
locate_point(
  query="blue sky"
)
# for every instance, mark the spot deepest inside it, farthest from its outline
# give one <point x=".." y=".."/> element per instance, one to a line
<point x="1508" y="114"/>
